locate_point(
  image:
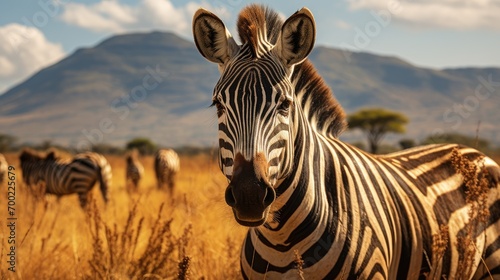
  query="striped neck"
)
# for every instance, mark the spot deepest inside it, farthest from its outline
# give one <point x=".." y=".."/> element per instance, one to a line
<point x="308" y="211"/>
<point x="302" y="203"/>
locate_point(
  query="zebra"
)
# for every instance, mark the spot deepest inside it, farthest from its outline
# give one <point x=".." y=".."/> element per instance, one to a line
<point x="64" y="177"/>
<point x="166" y="167"/>
<point x="134" y="172"/>
<point x="348" y="214"/>
<point x="3" y="168"/>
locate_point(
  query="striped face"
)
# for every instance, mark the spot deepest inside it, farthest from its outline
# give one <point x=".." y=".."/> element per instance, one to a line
<point x="255" y="102"/>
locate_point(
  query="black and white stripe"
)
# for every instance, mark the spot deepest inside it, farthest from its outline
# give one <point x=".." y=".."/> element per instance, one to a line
<point x="349" y="214"/>
<point x="3" y="169"/>
<point x="134" y="171"/>
<point x="166" y="167"/>
<point x="64" y="177"/>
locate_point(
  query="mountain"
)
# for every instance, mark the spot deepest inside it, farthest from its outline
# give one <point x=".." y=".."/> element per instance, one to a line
<point x="156" y="85"/>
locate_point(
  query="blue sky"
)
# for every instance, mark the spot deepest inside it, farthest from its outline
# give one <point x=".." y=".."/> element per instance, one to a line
<point x="434" y="34"/>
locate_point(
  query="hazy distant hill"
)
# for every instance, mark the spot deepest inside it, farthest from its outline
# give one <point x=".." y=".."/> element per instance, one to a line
<point x="157" y="85"/>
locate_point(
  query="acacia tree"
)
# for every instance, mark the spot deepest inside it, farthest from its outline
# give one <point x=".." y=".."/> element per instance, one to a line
<point x="144" y="145"/>
<point x="376" y="122"/>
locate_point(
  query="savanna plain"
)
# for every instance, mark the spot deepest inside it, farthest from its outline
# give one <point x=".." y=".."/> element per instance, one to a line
<point x="145" y="235"/>
<point x="148" y="234"/>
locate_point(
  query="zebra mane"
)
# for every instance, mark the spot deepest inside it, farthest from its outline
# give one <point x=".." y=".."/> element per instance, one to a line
<point x="257" y="22"/>
<point x="324" y="109"/>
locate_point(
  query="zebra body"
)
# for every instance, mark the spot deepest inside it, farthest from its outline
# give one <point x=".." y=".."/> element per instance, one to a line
<point x="3" y="169"/>
<point x="166" y="167"/>
<point x="134" y="172"/>
<point x="63" y="177"/>
<point x="349" y="214"/>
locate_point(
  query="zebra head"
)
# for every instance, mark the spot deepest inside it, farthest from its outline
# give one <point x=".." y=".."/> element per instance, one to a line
<point x="255" y="101"/>
<point x="30" y="161"/>
<point x="33" y="163"/>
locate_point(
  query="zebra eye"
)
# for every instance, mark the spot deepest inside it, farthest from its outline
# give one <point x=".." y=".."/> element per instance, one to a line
<point x="218" y="106"/>
<point x="284" y="107"/>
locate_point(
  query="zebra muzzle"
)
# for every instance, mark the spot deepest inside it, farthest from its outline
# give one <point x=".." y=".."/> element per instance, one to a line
<point x="249" y="194"/>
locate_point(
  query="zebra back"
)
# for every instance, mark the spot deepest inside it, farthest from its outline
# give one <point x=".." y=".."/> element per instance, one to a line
<point x="167" y="165"/>
<point x="103" y="168"/>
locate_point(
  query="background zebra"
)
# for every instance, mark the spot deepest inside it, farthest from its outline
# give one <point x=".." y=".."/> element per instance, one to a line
<point x="349" y="214"/>
<point x="3" y="169"/>
<point x="134" y="171"/>
<point x="63" y="177"/>
<point x="166" y="167"/>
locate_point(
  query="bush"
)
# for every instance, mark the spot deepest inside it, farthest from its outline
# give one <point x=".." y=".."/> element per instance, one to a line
<point x="143" y="145"/>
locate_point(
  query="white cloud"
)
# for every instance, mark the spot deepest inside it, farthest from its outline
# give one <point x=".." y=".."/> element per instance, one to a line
<point x="115" y="17"/>
<point x="342" y="24"/>
<point x="23" y="51"/>
<point x="163" y="13"/>
<point x="103" y="16"/>
<point x="450" y="14"/>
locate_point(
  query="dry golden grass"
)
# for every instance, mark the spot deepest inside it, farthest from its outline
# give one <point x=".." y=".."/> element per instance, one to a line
<point x="477" y="197"/>
<point x="299" y="263"/>
<point x="439" y="246"/>
<point x="147" y="235"/>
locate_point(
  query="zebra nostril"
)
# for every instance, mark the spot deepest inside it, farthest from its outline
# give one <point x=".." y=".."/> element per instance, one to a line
<point x="270" y="196"/>
<point x="230" y="200"/>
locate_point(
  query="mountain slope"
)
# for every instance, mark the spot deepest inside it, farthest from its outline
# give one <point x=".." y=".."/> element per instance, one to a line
<point x="157" y="85"/>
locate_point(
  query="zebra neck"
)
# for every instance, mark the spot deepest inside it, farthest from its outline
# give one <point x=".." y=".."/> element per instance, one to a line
<point x="310" y="215"/>
<point x="302" y="204"/>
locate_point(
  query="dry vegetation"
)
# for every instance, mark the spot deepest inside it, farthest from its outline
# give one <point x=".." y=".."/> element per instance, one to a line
<point x="477" y="188"/>
<point x="148" y="235"/>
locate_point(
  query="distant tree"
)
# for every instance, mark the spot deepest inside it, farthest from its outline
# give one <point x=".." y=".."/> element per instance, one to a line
<point x="144" y="145"/>
<point x="45" y="145"/>
<point x="407" y="143"/>
<point x="7" y="142"/>
<point x="377" y="122"/>
<point x="457" y="138"/>
<point x="103" y="148"/>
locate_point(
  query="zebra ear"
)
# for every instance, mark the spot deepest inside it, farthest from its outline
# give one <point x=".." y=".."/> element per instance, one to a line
<point x="51" y="156"/>
<point x="297" y="37"/>
<point x="212" y="38"/>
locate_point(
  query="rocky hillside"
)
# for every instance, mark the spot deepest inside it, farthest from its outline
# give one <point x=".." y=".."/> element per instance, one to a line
<point x="156" y="85"/>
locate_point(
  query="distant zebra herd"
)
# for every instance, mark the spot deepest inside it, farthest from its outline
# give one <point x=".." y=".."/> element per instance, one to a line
<point x="78" y="175"/>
